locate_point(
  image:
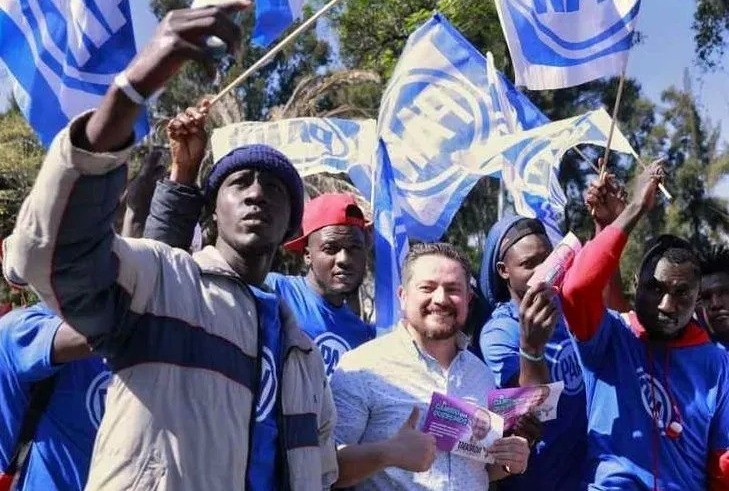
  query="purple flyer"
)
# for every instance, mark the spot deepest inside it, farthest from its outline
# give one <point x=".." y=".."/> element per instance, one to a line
<point x="540" y="400"/>
<point x="463" y="428"/>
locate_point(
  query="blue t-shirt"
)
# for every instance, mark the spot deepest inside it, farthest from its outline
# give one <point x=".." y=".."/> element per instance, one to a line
<point x="263" y="472"/>
<point x="335" y="330"/>
<point x="630" y="383"/>
<point x="60" y="456"/>
<point x="557" y="460"/>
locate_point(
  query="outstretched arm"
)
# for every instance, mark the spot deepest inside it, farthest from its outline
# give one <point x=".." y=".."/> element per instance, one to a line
<point x="595" y="264"/>
<point x="63" y="243"/>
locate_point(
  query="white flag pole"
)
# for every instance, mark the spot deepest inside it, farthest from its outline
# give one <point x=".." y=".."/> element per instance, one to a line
<point x="274" y="51"/>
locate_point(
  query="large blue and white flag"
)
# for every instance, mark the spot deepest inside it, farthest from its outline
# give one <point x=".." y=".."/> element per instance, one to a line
<point x="529" y="158"/>
<point x="273" y="17"/>
<point x="546" y="202"/>
<point x="440" y="102"/>
<point x="63" y="55"/>
<point x="314" y="145"/>
<point x="391" y="243"/>
<point x="561" y="43"/>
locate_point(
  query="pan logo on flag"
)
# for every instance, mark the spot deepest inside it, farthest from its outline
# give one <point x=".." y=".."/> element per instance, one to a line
<point x="430" y="119"/>
<point x="433" y="116"/>
<point x="556" y="27"/>
<point x="655" y="399"/>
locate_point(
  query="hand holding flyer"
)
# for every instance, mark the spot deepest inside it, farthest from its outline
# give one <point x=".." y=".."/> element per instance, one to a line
<point x="552" y="271"/>
<point x="540" y="400"/>
<point x="463" y="428"/>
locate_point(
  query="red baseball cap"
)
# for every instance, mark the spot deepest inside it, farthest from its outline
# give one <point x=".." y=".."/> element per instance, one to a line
<point x="324" y="211"/>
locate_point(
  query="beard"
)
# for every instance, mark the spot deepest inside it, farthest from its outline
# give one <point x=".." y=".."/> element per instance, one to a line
<point x="437" y="329"/>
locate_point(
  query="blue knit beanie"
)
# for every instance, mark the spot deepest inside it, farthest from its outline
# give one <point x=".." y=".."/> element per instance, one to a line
<point x="267" y="159"/>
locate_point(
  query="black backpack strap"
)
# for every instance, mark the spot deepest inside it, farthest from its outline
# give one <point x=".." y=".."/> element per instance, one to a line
<point x="40" y="396"/>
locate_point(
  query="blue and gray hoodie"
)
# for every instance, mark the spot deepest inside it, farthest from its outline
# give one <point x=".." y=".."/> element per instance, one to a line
<point x="557" y="459"/>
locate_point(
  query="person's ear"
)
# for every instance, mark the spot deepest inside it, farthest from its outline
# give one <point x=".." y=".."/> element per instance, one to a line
<point x="307" y="256"/>
<point x="502" y="270"/>
<point x="401" y="296"/>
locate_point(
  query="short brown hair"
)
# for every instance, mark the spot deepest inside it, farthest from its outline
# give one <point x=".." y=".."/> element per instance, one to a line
<point x="441" y="249"/>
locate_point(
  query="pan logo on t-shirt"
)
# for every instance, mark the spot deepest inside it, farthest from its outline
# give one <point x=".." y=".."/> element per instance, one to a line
<point x="655" y="399"/>
<point x="566" y="367"/>
<point x="332" y="347"/>
<point x="96" y="397"/>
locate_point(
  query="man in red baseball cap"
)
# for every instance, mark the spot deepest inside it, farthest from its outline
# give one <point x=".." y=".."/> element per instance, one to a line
<point x="334" y="245"/>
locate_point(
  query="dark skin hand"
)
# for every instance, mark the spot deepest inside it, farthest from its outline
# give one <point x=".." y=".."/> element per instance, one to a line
<point x="180" y="37"/>
<point x="188" y="139"/>
<point x="643" y="199"/>
<point x="528" y="426"/>
<point x="606" y="199"/>
<point x="538" y="316"/>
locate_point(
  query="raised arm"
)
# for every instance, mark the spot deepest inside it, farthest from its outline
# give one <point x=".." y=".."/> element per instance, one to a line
<point x="178" y="201"/>
<point x="606" y="200"/>
<point x="582" y="291"/>
<point x="63" y="243"/>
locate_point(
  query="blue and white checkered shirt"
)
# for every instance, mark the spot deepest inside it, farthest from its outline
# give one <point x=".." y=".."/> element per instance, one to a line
<point x="375" y="388"/>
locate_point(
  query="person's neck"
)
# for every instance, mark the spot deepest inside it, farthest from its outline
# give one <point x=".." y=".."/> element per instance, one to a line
<point x="252" y="268"/>
<point x="514" y="296"/>
<point x="443" y="350"/>
<point x="336" y="299"/>
<point x="660" y="337"/>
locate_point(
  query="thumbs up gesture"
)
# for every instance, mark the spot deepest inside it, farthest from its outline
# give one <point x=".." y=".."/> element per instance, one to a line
<point x="411" y="449"/>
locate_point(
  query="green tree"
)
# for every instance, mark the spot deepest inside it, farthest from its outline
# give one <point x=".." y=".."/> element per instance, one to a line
<point x="711" y="27"/>
<point x="21" y="155"/>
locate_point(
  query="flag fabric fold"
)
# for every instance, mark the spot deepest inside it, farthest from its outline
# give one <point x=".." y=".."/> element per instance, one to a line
<point x="64" y="55"/>
<point x="273" y="17"/>
<point x="562" y="43"/>
<point x="390" y="241"/>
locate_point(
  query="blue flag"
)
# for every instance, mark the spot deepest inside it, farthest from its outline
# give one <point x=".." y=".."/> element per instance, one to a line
<point x="64" y="56"/>
<point x="391" y="242"/>
<point x="440" y="103"/>
<point x="273" y="17"/>
<point x="313" y="145"/>
<point x="561" y="43"/>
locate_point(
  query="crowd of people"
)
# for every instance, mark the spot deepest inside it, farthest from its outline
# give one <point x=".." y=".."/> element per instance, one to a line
<point x="148" y="367"/>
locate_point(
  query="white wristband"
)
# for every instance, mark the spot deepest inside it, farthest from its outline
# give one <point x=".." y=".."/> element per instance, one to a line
<point x="122" y="82"/>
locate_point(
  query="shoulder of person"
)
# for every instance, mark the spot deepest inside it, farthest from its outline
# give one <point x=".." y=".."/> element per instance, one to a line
<point x="370" y="354"/>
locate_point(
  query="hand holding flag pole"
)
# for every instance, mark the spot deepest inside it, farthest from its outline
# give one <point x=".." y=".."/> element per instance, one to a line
<point x="274" y="51"/>
<point x="604" y="160"/>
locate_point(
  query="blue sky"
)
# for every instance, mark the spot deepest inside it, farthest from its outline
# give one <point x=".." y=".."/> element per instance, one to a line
<point x="667" y="50"/>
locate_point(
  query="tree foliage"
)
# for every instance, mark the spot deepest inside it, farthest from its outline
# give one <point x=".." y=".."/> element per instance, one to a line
<point x="711" y="31"/>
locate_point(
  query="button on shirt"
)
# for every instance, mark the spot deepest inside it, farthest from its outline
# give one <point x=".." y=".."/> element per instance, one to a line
<point x="375" y="388"/>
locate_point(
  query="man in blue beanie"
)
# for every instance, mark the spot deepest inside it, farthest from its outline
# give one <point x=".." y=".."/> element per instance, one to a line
<point x="215" y="386"/>
<point x="525" y="340"/>
<point x="333" y="242"/>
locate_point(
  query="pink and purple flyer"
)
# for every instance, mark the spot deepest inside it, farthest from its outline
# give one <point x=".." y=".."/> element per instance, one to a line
<point x="463" y="428"/>
<point x="540" y="400"/>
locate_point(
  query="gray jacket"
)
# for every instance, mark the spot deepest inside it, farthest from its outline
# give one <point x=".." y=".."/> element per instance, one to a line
<point x="180" y="333"/>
